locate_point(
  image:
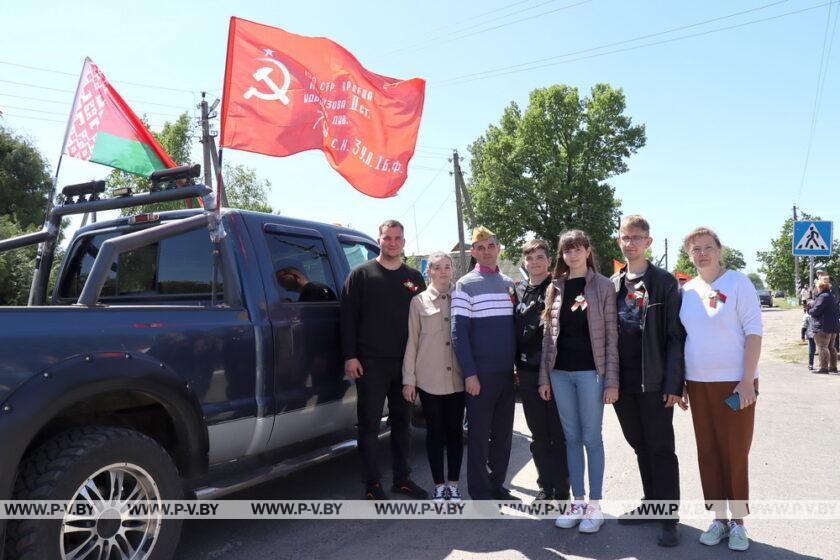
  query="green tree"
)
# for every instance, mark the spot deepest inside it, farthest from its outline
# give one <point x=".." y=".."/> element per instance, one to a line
<point x="245" y="190"/>
<point x="731" y="259"/>
<point x="544" y="171"/>
<point x="777" y="262"/>
<point x="25" y="181"/>
<point x="756" y="280"/>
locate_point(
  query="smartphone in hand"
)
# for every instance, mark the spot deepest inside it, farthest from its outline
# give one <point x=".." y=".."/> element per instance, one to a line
<point x="733" y="401"/>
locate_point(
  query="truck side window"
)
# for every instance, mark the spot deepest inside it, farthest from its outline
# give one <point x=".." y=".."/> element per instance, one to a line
<point x="177" y="268"/>
<point x="301" y="268"/>
<point x="357" y="253"/>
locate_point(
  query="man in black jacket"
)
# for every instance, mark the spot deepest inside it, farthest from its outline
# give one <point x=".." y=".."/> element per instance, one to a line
<point x="651" y="341"/>
<point x="374" y="331"/>
<point x="548" y="444"/>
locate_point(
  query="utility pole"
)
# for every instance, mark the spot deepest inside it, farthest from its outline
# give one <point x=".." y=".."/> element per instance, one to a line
<point x="212" y="161"/>
<point x="666" y="253"/>
<point x="795" y="259"/>
<point x="456" y="172"/>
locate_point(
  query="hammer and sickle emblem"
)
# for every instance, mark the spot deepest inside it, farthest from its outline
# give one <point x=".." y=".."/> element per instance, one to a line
<point x="262" y="74"/>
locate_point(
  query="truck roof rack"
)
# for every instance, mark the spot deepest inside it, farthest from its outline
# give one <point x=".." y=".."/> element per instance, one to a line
<point x="167" y="185"/>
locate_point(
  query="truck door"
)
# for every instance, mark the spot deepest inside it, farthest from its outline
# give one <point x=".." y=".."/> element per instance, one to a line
<point x="309" y="386"/>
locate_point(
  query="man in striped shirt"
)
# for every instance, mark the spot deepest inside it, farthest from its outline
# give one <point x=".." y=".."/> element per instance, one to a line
<point x="484" y="337"/>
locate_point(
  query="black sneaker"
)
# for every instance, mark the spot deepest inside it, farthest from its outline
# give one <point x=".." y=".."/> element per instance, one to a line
<point x="830" y="370"/>
<point x="636" y="516"/>
<point x="669" y="535"/>
<point x="375" y="492"/>
<point x="822" y="370"/>
<point x="409" y="488"/>
<point x="502" y="494"/>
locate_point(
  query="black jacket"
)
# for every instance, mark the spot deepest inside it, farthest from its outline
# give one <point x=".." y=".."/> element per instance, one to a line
<point x="663" y="335"/>
<point x="824" y="312"/>
<point x="529" y="323"/>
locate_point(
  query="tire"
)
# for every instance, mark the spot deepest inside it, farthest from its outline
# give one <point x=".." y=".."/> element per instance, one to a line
<point x="98" y="456"/>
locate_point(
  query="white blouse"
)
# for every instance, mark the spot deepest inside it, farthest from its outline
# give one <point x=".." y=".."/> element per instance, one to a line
<point x="717" y="319"/>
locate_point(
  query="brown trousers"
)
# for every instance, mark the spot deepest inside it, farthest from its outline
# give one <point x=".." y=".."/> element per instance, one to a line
<point x="723" y="439"/>
<point x="825" y="346"/>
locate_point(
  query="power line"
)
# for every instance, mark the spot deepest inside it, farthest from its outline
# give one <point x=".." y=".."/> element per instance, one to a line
<point x="37" y="86"/>
<point x="32" y="110"/>
<point x="444" y="166"/>
<point x="33" y="118"/>
<point x="822" y="73"/>
<point x="498" y="72"/>
<point x="434" y="37"/>
<point x="436" y="212"/>
<point x="616" y="43"/>
<point x="64" y="103"/>
<point x="52" y="71"/>
<point x="459" y="35"/>
<point x="477" y="16"/>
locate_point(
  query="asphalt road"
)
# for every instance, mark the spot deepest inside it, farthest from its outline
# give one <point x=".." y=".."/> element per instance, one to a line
<point x="795" y="455"/>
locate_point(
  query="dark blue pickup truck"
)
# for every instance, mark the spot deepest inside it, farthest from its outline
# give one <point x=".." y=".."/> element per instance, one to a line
<point x="180" y="354"/>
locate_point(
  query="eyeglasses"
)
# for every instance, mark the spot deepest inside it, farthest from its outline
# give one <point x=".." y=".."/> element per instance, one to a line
<point x="698" y="250"/>
<point x="628" y="239"/>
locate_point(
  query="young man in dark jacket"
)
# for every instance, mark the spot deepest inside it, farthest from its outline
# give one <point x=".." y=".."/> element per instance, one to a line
<point x="548" y="444"/>
<point x="374" y="331"/>
<point x="651" y="341"/>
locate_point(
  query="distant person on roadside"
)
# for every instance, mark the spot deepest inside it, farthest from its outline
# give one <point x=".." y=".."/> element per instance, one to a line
<point x="826" y="326"/>
<point x="722" y="318"/>
<point x="835" y="291"/>
<point x="431" y="371"/>
<point x="808" y="333"/>
<point x="804" y="295"/>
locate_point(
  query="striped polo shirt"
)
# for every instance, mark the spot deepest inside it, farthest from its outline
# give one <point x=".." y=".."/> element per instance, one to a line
<point x="483" y="331"/>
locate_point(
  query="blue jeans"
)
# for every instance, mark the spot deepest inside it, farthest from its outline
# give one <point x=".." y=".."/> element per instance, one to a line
<point x="580" y="401"/>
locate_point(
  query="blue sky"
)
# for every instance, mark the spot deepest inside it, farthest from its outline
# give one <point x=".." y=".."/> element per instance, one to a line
<point x="728" y="113"/>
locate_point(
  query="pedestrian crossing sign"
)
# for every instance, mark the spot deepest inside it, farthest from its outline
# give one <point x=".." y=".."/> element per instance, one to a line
<point x="812" y="238"/>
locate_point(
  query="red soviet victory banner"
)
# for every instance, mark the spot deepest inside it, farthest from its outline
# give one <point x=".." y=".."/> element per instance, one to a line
<point x="286" y="93"/>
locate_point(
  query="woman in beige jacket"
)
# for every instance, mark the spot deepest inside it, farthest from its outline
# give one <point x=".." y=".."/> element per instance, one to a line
<point x="580" y="365"/>
<point x="431" y="369"/>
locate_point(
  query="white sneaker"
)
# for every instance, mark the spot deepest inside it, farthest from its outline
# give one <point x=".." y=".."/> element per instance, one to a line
<point x="570" y="517"/>
<point x="716" y="532"/>
<point x="592" y="520"/>
<point x="440" y="493"/>
<point x="453" y="494"/>
<point x="738" y="539"/>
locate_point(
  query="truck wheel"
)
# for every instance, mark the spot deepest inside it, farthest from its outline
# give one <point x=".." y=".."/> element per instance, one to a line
<point x="103" y="469"/>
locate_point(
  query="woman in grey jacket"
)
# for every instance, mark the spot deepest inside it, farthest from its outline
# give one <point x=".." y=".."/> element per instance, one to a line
<point x="580" y="365"/>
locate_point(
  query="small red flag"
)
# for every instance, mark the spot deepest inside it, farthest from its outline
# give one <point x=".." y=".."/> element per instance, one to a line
<point x="286" y="93"/>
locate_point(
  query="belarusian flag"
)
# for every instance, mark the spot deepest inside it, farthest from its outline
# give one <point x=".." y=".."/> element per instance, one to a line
<point x="105" y="130"/>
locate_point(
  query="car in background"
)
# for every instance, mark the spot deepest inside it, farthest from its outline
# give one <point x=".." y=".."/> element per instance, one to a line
<point x="778" y="293"/>
<point x="765" y="297"/>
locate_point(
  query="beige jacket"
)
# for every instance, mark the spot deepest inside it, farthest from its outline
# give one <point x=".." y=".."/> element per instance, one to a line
<point x="602" y="317"/>
<point x="430" y="362"/>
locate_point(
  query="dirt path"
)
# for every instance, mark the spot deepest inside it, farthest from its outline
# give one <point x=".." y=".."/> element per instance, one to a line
<point x="781" y="341"/>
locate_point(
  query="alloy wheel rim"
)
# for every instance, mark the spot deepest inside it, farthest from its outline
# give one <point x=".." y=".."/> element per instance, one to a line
<point x="102" y="522"/>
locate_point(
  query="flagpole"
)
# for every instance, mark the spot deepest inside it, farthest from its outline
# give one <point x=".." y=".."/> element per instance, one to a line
<point x="46" y="250"/>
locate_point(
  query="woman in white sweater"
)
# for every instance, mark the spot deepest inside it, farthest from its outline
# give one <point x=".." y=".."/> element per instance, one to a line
<point x="722" y="318"/>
